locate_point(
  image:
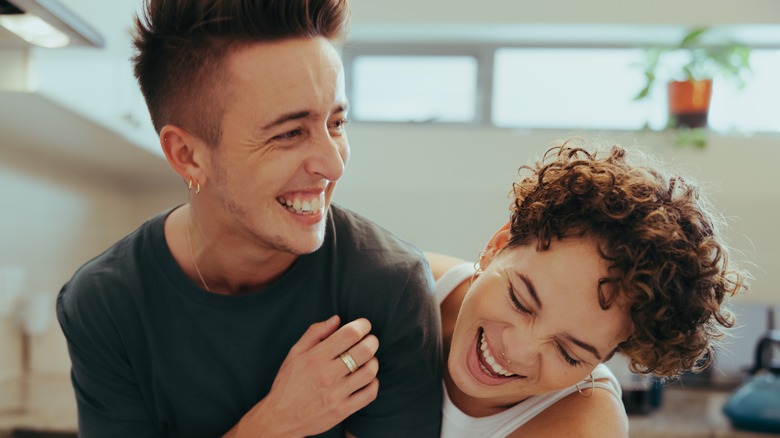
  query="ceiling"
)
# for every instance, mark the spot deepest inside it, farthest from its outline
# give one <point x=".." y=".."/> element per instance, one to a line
<point x="79" y="32"/>
<point x="9" y="40"/>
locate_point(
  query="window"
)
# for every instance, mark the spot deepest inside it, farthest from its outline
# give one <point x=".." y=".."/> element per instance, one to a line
<point x="752" y="109"/>
<point x="414" y="88"/>
<point x="542" y="87"/>
<point x="569" y="88"/>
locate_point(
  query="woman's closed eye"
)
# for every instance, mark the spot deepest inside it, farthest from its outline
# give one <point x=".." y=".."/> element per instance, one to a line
<point x="522" y="309"/>
<point x="570" y="360"/>
<point x="516" y="303"/>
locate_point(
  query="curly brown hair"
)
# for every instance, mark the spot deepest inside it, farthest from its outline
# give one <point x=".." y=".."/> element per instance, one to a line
<point x="658" y="233"/>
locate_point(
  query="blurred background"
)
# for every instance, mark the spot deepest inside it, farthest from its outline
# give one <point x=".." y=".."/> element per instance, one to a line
<point x="448" y="99"/>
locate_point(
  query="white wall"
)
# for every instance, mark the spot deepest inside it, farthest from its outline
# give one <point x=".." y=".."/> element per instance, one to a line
<point x="688" y="12"/>
<point x="442" y="188"/>
<point x="446" y="188"/>
<point x="55" y="218"/>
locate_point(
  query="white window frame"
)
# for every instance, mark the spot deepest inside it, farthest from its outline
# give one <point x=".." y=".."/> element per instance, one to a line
<point x="484" y="53"/>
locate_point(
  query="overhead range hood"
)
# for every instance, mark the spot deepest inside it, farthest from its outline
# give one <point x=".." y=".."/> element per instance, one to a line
<point x="43" y="23"/>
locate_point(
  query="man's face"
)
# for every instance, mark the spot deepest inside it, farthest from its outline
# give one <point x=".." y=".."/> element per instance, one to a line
<point x="283" y="144"/>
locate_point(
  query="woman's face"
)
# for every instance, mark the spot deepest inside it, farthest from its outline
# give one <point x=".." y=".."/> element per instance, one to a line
<point x="531" y="323"/>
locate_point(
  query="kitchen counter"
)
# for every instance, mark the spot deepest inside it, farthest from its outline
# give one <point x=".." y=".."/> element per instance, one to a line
<point x="688" y="413"/>
<point x="46" y="403"/>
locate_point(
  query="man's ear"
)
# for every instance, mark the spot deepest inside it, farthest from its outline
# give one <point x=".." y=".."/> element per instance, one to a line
<point x="185" y="153"/>
<point x="494" y="245"/>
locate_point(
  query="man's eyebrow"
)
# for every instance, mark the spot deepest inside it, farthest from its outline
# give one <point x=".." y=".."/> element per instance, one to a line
<point x="584" y="346"/>
<point x="531" y="290"/>
<point x="287" y="117"/>
<point x="340" y="108"/>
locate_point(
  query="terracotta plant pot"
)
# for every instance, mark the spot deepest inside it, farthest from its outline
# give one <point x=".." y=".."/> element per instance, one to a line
<point x="689" y="103"/>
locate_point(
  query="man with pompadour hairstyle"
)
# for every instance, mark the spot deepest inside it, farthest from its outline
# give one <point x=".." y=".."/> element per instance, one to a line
<point x="258" y="308"/>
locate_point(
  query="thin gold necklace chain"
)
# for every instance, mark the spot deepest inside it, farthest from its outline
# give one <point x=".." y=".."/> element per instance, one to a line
<point x="192" y="253"/>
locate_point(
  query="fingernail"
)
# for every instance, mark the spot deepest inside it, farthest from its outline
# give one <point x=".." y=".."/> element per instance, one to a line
<point x="332" y="319"/>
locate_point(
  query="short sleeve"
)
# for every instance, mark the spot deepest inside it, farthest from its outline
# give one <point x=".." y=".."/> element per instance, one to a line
<point x="410" y="392"/>
<point x="108" y="397"/>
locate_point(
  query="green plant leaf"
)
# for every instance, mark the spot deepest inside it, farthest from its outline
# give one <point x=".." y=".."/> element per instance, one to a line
<point x="692" y="38"/>
<point x="643" y="93"/>
<point x="696" y="137"/>
<point x="730" y="61"/>
<point x="688" y="70"/>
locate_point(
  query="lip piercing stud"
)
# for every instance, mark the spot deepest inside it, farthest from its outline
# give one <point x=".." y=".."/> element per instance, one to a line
<point x="505" y="359"/>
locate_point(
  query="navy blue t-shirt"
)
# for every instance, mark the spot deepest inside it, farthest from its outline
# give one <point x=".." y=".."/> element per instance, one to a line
<point x="154" y="355"/>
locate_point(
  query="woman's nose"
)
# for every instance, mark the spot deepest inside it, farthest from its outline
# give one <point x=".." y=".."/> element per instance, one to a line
<point x="522" y="351"/>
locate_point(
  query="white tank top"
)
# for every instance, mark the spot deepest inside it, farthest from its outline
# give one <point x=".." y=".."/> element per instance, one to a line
<point x="457" y="424"/>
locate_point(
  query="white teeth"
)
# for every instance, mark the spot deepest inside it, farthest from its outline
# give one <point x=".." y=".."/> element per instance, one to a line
<point x="305" y="206"/>
<point x="497" y="368"/>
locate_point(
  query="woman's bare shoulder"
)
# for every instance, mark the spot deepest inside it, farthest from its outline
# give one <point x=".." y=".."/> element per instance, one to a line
<point x="441" y="263"/>
<point x="600" y="415"/>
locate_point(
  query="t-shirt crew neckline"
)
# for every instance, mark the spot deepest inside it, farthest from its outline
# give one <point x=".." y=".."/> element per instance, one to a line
<point x="168" y="267"/>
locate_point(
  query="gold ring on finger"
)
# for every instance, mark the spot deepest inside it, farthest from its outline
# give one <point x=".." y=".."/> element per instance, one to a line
<point x="349" y="362"/>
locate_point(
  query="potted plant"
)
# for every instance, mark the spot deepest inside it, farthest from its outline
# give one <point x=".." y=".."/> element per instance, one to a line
<point x="688" y="69"/>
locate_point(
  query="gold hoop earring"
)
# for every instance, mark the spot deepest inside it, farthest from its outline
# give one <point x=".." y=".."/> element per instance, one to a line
<point x="477" y="272"/>
<point x="477" y="267"/>
<point x="592" y="386"/>
<point x="478" y="262"/>
<point x="189" y="184"/>
<point x="197" y="188"/>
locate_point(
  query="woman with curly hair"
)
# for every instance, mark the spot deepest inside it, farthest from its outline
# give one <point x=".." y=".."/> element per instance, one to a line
<point x="600" y="256"/>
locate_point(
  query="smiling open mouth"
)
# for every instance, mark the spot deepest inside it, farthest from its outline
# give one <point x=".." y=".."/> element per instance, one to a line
<point x="304" y="206"/>
<point x="488" y="363"/>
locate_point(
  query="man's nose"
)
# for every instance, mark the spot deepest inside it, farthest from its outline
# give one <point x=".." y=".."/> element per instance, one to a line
<point x="329" y="156"/>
